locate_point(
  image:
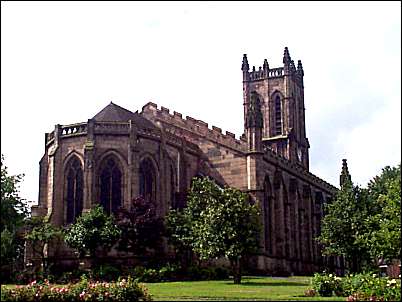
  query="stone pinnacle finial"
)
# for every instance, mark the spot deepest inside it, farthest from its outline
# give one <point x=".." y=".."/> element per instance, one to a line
<point x="345" y="175"/>
<point x="265" y="66"/>
<point x="300" y="67"/>
<point x="292" y="66"/>
<point x="245" y="66"/>
<point x="286" y="57"/>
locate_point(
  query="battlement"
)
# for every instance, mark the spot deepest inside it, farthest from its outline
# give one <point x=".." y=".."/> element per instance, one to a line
<point x="193" y="125"/>
<point x="264" y="72"/>
<point x="279" y="72"/>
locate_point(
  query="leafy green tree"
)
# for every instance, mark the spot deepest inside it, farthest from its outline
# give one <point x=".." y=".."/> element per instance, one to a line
<point x="13" y="212"/>
<point x="141" y="228"/>
<point x="343" y="223"/>
<point x="217" y="222"/>
<point x="92" y="230"/>
<point x="40" y="235"/>
<point x="364" y="225"/>
<point x="383" y="234"/>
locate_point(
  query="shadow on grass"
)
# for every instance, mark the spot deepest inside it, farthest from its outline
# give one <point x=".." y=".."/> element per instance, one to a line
<point x="270" y="283"/>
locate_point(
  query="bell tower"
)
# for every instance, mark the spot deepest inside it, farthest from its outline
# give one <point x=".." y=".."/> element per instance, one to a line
<point x="281" y="92"/>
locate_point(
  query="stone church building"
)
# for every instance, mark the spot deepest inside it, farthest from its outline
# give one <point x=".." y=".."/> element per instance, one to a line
<point x="118" y="155"/>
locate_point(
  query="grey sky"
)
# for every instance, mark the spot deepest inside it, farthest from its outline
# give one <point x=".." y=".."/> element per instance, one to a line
<point x="62" y="62"/>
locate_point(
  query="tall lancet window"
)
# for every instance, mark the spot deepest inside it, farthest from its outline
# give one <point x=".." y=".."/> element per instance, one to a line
<point x="147" y="180"/>
<point x="110" y="186"/>
<point x="278" y="116"/>
<point x="74" y="190"/>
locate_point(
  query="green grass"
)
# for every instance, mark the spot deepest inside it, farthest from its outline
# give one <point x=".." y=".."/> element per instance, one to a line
<point x="252" y="288"/>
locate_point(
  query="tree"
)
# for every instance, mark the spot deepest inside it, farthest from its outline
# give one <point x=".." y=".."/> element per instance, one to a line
<point x="13" y="212"/>
<point x="140" y="227"/>
<point x="217" y="222"/>
<point x="384" y="224"/>
<point x="92" y="230"/>
<point x="343" y="222"/>
<point x="40" y="235"/>
<point x="364" y="225"/>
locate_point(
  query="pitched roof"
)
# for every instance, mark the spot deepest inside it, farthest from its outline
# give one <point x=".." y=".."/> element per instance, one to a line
<point x="115" y="113"/>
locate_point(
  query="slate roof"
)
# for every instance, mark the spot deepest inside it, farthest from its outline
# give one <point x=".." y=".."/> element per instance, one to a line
<point x="115" y="113"/>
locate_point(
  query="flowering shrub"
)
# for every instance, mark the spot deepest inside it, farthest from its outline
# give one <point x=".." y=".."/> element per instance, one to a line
<point x="359" y="287"/>
<point x="372" y="288"/>
<point x="122" y="290"/>
<point x="326" y="285"/>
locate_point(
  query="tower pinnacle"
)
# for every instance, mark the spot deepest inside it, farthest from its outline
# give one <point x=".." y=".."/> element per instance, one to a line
<point x="265" y="65"/>
<point x="300" y="67"/>
<point x="286" y="57"/>
<point x="345" y="175"/>
<point x="245" y="66"/>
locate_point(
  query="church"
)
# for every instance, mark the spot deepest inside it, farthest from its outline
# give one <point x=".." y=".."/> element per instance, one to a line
<point x="118" y="155"/>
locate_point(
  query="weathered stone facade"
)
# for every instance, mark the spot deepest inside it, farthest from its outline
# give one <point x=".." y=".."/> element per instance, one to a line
<point x="118" y="155"/>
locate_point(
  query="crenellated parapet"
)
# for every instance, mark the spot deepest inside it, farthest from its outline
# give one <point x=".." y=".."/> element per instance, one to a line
<point x="195" y="126"/>
<point x="265" y="73"/>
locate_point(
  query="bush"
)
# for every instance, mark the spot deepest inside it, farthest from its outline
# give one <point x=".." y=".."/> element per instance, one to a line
<point x="325" y="285"/>
<point x="173" y="272"/>
<point x="371" y="287"/>
<point x="105" y="272"/>
<point x="122" y="290"/>
<point x="366" y="286"/>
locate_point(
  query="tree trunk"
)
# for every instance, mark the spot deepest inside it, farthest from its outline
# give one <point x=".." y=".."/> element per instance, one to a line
<point x="236" y="269"/>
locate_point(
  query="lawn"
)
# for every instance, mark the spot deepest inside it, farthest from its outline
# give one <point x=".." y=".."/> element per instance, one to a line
<point x="252" y="288"/>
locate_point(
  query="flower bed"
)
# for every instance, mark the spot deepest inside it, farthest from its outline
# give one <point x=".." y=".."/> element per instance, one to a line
<point x="122" y="290"/>
<point x="359" y="287"/>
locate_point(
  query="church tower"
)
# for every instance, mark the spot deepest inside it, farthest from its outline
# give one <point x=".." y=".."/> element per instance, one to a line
<point x="281" y="93"/>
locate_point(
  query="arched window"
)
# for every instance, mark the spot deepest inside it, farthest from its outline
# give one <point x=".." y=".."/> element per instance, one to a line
<point x="110" y="185"/>
<point x="278" y="116"/>
<point x="147" y="180"/>
<point x="74" y="190"/>
<point x="267" y="214"/>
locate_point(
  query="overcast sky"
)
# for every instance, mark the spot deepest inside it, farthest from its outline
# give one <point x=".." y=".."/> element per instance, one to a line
<point x="63" y="62"/>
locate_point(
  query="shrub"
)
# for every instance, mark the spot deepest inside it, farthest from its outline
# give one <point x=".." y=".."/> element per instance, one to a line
<point x="325" y="285"/>
<point x="105" y="272"/>
<point x="222" y="273"/>
<point x="371" y="287"/>
<point x="366" y="286"/>
<point x="122" y="290"/>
